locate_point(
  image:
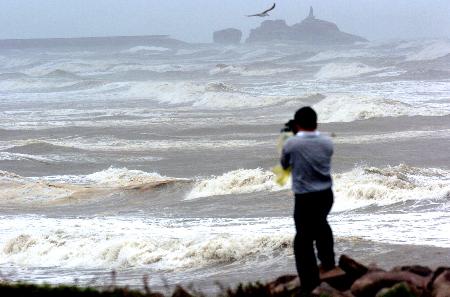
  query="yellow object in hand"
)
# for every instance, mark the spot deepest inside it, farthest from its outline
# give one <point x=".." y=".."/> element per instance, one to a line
<point x="282" y="175"/>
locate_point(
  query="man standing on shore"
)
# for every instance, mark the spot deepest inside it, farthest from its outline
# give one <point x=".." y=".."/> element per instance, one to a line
<point x="308" y="154"/>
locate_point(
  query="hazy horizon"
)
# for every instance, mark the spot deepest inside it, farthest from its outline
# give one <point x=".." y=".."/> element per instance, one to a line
<point x="194" y="21"/>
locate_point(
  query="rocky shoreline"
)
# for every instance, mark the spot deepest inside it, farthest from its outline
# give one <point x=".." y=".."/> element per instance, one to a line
<point x="358" y="280"/>
<point x="349" y="279"/>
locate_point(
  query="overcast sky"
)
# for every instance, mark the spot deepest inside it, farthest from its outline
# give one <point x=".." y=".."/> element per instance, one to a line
<point x="195" y="20"/>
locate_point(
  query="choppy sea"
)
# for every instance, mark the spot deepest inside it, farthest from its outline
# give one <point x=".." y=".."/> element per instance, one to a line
<point x="150" y="160"/>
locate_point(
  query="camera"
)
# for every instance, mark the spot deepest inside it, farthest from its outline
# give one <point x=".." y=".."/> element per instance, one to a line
<point x="288" y="127"/>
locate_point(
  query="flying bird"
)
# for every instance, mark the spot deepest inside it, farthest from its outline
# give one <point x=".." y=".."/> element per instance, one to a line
<point x="264" y="13"/>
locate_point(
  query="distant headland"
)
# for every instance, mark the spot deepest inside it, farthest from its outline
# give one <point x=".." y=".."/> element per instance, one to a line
<point x="309" y="31"/>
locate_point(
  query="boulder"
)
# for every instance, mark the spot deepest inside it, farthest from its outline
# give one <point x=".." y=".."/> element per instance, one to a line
<point x="417" y="269"/>
<point x="285" y="283"/>
<point x="180" y="292"/>
<point x="371" y="283"/>
<point x="228" y="36"/>
<point x="353" y="270"/>
<point x="440" y="285"/>
<point x="400" y="290"/>
<point x="326" y="290"/>
<point x="337" y="278"/>
<point x="351" y="267"/>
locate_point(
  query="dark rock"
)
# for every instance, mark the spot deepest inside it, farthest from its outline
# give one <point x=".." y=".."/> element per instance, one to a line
<point x="337" y="278"/>
<point x="271" y="30"/>
<point x="371" y="283"/>
<point x="440" y="284"/>
<point x="180" y="292"/>
<point x="353" y="270"/>
<point x="286" y="283"/>
<point x="351" y="267"/>
<point x="400" y="290"/>
<point x="326" y="290"/>
<point x="228" y="36"/>
<point x="155" y="294"/>
<point x="310" y="31"/>
<point x="417" y="269"/>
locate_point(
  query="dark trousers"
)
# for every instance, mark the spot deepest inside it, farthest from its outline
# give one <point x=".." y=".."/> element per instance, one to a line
<point x="310" y="215"/>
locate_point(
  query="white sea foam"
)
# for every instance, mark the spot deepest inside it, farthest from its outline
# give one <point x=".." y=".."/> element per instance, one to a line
<point x="6" y="156"/>
<point x="431" y="51"/>
<point x="161" y="68"/>
<point x="403" y="227"/>
<point x="332" y="55"/>
<point x="201" y="95"/>
<point x="138" y="49"/>
<point x="382" y="186"/>
<point x="393" y="136"/>
<point x="30" y="85"/>
<point x="235" y="182"/>
<point x="71" y="157"/>
<point x="359" y="187"/>
<point x="154" y="243"/>
<point x="246" y="71"/>
<point x="347" y="108"/>
<point x="116" y="144"/>
<point x="122" y="177"/>
<point x="344" y="70"/>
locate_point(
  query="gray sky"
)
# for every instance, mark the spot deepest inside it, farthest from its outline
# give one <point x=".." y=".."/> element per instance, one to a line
<point x="195" y="20"/>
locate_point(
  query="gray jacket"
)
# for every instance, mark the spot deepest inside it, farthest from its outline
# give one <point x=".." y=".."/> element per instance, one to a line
<point x="309" y="156"/>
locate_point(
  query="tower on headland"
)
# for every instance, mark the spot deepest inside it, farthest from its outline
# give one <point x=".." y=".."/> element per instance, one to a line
<point x="311" y="13"/>
<point x="309" y="31"/>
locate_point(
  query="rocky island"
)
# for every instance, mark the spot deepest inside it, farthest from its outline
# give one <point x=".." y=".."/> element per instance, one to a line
<point x="227" y="36"/>
<point x="310" y="31"/>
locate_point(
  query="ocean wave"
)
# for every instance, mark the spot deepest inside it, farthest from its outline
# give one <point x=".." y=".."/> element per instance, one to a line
<point x="124" y="69"/>
<point x="140" y="49"/>
<point x="334" y="55"/>
<point x="8" y="62"/>
<point x="346" y="108"/>
<point x="6" y="156"/>
<point x="344" y="70"/>
<point x="12" y="75"/>
<point x="201" y="95"/>
<point x="382" y="186"/>
<point x="123" y="243"/>
<point x="235" y="182"/>
<point x="247" y="71"/>
<point x="71" y="188"/>
<point x="58" y="73"/>
<point x="117" y="144"/>
<point x="393" y="136"/>
<point x="31" y="84"/>
<point x="431" y="51"/>
<point x="359" y="187"/>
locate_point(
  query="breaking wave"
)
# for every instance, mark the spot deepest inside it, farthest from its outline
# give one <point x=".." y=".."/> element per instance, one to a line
<point x="333" y="55"/>
<point x="159" y="245"/>
<point x="382" y="186"/>
<point x="235" y="182"/>
<point x="344" y="70"/>
<point x="345" y="108"/>
<point x="431" y="51"/>
<point x="246" y="71"/>
<point x="60" y="188"/>
<point x="208" y="96"/>
<point x="359" y="187"/>
<point x="140" y="49"/>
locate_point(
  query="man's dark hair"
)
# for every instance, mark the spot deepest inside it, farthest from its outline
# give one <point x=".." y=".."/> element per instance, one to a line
<point x="306" y="118"/>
